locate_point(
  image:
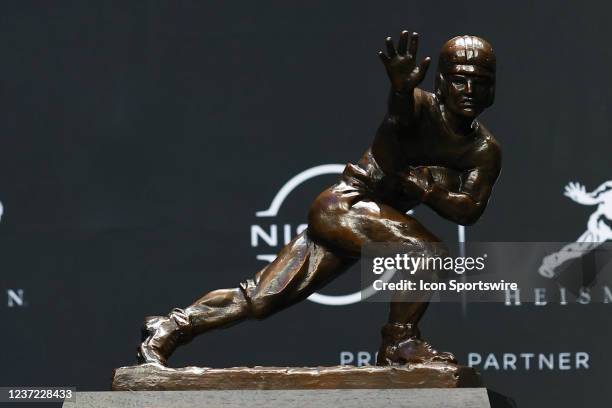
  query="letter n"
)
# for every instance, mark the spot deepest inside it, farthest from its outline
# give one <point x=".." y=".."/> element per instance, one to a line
<point x="15" y="297"/>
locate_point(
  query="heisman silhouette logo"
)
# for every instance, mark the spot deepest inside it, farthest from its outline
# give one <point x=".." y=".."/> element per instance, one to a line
<point x="599" y="226"/>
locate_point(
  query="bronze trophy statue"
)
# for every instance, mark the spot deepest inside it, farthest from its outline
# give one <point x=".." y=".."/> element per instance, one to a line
<point x="429" y="149"/>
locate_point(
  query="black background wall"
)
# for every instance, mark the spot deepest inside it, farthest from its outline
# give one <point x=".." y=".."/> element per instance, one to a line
<point x="139" y="139"/>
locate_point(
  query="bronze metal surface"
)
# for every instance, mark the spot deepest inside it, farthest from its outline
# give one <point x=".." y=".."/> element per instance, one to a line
<point x="432" y="375"/>
<point x="430" y="149"/>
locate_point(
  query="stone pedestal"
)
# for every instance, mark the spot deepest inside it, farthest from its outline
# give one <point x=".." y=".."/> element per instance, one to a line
<point x="404" y="398"/>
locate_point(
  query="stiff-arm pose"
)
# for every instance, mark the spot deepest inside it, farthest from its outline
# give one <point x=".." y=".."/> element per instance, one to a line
<point x="430" y="149"/>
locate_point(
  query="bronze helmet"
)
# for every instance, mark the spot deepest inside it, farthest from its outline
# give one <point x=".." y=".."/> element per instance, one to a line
<point x="467" y="55"/>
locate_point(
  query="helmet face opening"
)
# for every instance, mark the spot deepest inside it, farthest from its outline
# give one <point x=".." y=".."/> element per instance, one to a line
<point x="465" y="82"/>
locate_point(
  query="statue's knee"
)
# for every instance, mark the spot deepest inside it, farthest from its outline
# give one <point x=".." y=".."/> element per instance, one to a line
<point x="258" y="307"/>
<point x="434" y="255"/>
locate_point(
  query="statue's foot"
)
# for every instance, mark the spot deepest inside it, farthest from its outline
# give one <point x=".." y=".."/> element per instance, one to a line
<point x="402" y="344"/>
<point x="161" y="335"/>
<point x="149" y="350"/>
<point x="413" y="351"/>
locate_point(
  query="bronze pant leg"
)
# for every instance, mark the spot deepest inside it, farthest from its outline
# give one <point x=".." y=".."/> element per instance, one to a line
<point x="347" y="220"/>
<point x="341" y="221"/>
<point x="300" y="268"/>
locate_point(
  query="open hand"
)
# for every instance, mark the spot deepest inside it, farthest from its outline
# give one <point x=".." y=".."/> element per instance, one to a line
<point x="577" y="192"/>
<point x="400" y="63"/>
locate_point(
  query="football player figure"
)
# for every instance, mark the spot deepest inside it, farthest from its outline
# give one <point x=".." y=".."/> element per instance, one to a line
<point x="430" y="149"/>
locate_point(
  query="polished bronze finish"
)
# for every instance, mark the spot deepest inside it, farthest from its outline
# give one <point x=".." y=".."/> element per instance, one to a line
<point x="429" y="149"/>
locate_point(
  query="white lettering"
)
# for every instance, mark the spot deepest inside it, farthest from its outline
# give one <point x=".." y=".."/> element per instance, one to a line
<point x="509" y="361"/>
<point x="550" y="362"/>
<point x="607" y="295"/>
<point x="363" y="358"/>
<point x="564" y="361"/>
<point x="516" y="295"/>
<point x="582" y="360"/>
<point x="287" y="231"/>
<point x="540" y="297"/>
<point x="527" y="357"/>
<point x="15" y="297"/>
<point x="585" y="296"/>
<point x="346" y="357"/>
<point x="474" y="359"/>
<point x="563" y="296"/>
<point x="529" y="361"/>
<point x="271" y="238"/>
<point x="491" y="361"/>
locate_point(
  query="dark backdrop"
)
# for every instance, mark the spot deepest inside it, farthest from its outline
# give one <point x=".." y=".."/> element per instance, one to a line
<point x="139" y="139"/>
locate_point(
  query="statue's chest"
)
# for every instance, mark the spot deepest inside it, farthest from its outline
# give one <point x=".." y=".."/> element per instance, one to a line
<point x="436" y="149"/>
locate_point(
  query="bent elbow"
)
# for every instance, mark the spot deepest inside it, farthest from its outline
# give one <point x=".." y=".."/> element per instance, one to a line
<point x="470" y="215"/>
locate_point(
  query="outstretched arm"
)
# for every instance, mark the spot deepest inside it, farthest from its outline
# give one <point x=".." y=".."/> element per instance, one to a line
<point x="404" y="76"/>
<point x="578" y="193"/>
<point x="403" y="108"/>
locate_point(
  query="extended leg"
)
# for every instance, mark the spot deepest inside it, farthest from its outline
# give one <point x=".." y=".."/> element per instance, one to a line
<point x="301" y="268"/>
